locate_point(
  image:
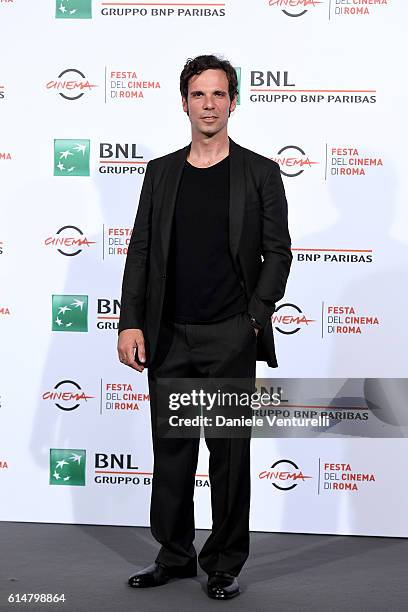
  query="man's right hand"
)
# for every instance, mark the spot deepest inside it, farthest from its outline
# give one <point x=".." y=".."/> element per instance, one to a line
<point x="128" y="341"/>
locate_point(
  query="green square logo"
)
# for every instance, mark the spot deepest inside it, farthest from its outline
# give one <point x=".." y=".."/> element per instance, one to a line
<point x="73" y="9"/>
<point x="70" y="313"/>
<point x="238" y="71"/>
<point x="67" y="467"/>
<point x="71" y="157"/>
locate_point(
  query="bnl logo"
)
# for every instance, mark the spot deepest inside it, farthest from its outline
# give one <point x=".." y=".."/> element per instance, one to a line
<point x="73" y="9"/>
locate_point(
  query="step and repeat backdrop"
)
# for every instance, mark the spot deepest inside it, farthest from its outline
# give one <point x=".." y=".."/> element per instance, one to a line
<point x="89" y="93"/>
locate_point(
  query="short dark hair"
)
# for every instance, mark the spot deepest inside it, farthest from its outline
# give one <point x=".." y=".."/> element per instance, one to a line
<point x="206" y="62"/>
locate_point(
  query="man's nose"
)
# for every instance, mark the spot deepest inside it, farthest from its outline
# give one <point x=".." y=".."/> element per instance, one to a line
<point x="208" y="102"/>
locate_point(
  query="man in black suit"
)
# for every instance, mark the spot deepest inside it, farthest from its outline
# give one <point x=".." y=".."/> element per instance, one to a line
<point x="208" y="258"/>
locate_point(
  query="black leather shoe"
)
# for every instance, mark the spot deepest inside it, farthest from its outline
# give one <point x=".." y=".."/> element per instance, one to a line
<point x="158" y="574"/>
<point x="222" y="585"/>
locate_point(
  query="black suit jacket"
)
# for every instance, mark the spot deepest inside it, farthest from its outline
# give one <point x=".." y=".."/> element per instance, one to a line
<point x="259" y="243"/>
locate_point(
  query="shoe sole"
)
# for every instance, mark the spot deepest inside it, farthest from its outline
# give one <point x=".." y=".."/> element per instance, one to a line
<point x="149" y="586"/>
<point x="213" y="596"/>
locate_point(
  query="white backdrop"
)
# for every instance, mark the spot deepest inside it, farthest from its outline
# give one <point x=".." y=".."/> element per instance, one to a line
<point x="322" y="91"/>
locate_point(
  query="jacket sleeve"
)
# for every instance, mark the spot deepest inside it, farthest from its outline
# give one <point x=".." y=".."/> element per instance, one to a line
<point x="135" y="273"/>
<point x="276" y="251"/>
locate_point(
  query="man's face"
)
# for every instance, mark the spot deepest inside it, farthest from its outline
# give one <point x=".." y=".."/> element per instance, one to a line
<point x="208" y="103"/>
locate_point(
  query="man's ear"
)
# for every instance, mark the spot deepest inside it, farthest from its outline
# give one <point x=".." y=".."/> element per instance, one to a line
<point x="184" y="104"/>
<point x="233" y="104"/>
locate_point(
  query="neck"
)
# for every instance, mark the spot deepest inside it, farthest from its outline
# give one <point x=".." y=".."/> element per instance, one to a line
<point x="208" y="150"/>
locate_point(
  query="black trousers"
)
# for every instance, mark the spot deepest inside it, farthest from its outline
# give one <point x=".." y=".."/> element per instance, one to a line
<point x="224" y="349"/>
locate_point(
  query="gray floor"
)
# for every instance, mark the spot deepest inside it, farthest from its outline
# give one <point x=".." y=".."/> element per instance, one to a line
<point x="284" y="572"/>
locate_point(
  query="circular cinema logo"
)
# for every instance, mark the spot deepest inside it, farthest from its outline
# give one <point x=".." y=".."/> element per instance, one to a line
<point x="295" y="8"/>
<point x="69" y="240"/>
<point x="293" y="161"/>
<point x="67" y="395"/>
<point x="284" y="475"/>
<point x="288" y="319"/>
<point x="71" y="84"/>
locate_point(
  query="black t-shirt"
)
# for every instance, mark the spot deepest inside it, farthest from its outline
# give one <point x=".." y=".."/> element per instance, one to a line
<point x="202" y="285"/>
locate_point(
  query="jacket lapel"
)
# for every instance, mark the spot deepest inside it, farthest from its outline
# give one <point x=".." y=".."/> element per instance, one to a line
<point x="237" y="196"/>
<point x="169" y="197"/>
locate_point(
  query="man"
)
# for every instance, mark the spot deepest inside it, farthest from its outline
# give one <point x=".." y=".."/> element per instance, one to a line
<point x="197" y="301"/>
